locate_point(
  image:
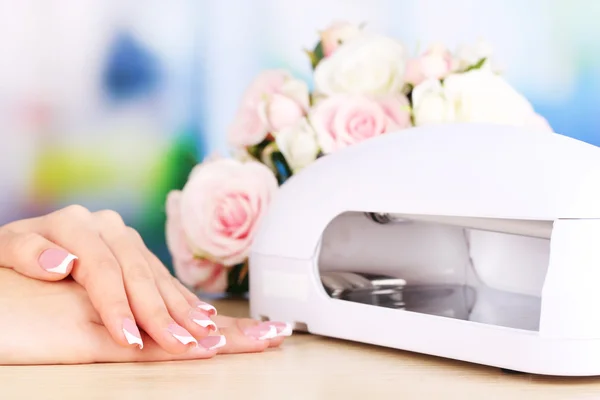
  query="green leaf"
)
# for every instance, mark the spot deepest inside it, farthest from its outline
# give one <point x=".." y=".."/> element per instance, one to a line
<point x="257" y="150"/>
<point x="477" y="65"/>
<point x="312" y="58"/>
<point x="316" y="55"/>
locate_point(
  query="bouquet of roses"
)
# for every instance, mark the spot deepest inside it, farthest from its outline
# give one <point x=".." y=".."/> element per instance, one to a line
<point x="364" y="85"/>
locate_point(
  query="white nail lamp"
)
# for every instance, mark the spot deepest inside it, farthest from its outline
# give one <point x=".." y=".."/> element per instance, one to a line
<point x="473" y="242"/>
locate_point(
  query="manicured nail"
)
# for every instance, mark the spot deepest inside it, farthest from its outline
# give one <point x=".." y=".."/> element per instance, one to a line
<point x="283" y="328"/>
<point x="181" y="334"/>
<point x="56" y="260"/>
<point x="213" y="342"/>
<point x="206" y="307"/>
<point x="203" y="320"/>
<point x="132" y="333"/>
<point x="261" y="332"/>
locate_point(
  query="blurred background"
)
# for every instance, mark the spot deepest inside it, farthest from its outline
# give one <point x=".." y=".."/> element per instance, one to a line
<point x="110" y="103"/>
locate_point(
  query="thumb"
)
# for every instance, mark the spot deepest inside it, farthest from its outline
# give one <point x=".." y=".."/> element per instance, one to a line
<point x="34" y="256"/>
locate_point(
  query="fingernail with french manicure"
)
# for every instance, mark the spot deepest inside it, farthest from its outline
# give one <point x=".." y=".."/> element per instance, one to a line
<point x="181" y="334"/>
<point x="261" y="332"/>
<point x="206" y="307"/>
<point x="132" y="333"/>
<point x="213" y="342"/>
<point x="282" y="328"/>
<point x="203" y="320"/>
<point x="56" y="260"/>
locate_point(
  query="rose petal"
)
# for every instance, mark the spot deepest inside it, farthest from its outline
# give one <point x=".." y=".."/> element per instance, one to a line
<point x="216" y="282"/>
<point x="222" y="203"/>
<point x="343" y="120"/>
<point x="189" y="270"/>
<point x="247" y="129"/>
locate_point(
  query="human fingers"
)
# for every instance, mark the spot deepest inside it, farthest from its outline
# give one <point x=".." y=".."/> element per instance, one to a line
<point x="240" y="336"/>
<point x="146" y="299"/>
<point x="97" y="269"/>
<point x="193" y="300"/>
<point x="245" y="335"/>
<point x="196" y="320"/>
<point x="278" y="331"/>
<point x="105" y="350"/>
<point x="32" y="255"/>
<point x="234" y="339"/>
<point x="276" y="338"/>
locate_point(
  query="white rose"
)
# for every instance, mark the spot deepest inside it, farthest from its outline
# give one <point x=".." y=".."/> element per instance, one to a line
<point x="475" y="96"/>
<point x="298" y="144"/>
<point x="430" y="105"/>
<point x="469" y="55"/>
<point x="366" y="64"/>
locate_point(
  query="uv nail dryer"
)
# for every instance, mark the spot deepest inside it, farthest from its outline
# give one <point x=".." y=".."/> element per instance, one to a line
<point x="472" y="242"/>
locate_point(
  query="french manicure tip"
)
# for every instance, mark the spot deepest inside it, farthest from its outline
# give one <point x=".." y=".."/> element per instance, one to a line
<point x="220" y="343"/>
<point x="207" y="307"/>
<point x="287" y="330"/>
<point x="182" y="335"/>
<point x="206" y="323"/>
<point x="272" y="332"/>
<point x="186" y="340"/>
<point x="132" y="339"/>
<point x="62" y="267"/>
<point x="261" y="332"/>
<point x="132" y="333"/>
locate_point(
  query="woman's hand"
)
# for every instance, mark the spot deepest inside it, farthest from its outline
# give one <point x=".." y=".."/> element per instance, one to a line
<point x="55" y="323"/>
<point x="126" y="284"/>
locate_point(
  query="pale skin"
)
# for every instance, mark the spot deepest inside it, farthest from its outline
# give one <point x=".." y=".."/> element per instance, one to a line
<point x="76" y="316"/>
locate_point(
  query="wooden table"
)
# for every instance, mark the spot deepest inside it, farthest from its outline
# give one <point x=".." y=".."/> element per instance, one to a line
<point x="306" y="367"/>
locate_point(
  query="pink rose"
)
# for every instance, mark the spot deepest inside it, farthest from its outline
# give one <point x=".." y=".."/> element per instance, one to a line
<point x="221" y="205"/>
<point x="192" y="271"/>
<point x="273" y="101"/>
<point x="336" y="34"/>
<point x="435" y="63"/>
<point x="343" y="120"/>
